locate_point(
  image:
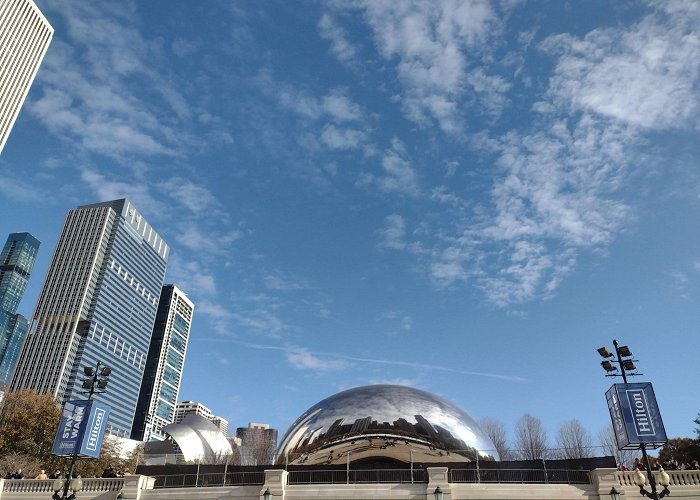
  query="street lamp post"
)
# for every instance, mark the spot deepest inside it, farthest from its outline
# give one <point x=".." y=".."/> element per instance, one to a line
<point x="94" y="383"/>
<point x="628" y="369"/>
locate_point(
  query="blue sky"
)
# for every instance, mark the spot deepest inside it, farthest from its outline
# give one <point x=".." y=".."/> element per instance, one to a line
<point x="468" y="198"/>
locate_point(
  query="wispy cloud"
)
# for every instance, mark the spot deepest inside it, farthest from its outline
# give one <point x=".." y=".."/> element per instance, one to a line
<point x="334" y="105"/>
<point x="393" y="234"/>
<point x="276" y="281"/>
<point x="340" y="45"/>
<point x="556" y="197"/>
<point x="342" y="138"/>
<point x="86" y="95"/>
<point x="402" y="320"/>
<point x="107" y="187"/>
<point x="639" y="76"/>
<point x="434" y="44"/>
<point x="398" y="175"/>
<point x="388" y="362"/>
<point x="191" y="276"/>
<point x="303" y="359"/>
<point x="559" y="190"/>
<point x="195" y="197"/>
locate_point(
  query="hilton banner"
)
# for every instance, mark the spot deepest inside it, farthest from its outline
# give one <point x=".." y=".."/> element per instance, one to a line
<point x="635" y="416"/>
<point x="81" y="429"/>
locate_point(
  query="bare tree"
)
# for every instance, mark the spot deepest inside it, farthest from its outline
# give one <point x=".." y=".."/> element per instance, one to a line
<point x="496" y="431"/>
<point x="573" y="441"/>
<point x="609" y="444"/>
<point x="257" y="447"/>
<point x="530" y="438"/>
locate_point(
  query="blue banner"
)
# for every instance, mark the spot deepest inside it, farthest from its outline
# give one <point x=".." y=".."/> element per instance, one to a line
<point x="635" y="416"/>
<point x="81" y="429"/>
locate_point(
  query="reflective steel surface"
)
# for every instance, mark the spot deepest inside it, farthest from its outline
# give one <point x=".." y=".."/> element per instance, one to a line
<point x="384" y="422"/>
<point x="197" y="438"/>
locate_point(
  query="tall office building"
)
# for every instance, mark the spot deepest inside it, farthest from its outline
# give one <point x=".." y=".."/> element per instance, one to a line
<point x="16" y="263"/>
<point x="221" y="423"/>
<point x="185" y="408"/>
<point x="25" y="35"/>
<point x="166" y="359"/>
<point x="98" y="303"/>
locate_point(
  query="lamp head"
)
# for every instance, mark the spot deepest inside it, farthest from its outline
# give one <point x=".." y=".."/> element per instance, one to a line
<point x="268" y="494"/>
<point x="603" y="351"/>
<point x="76" y="484"/>
<point x="438" y="493"/>
<point x="57" y="485"/>
<point x="608" y="366"/>
<point x="106" y="371"/>
<point x="88" y="371"/>
<point x="624" y="351"/>
<point x="639" y="478"/>
<point x="664" y="479"/>
<point x="614" y="494"/>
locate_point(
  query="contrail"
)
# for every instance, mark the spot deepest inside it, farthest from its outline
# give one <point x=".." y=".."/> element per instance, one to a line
<point x="420" y="366"/>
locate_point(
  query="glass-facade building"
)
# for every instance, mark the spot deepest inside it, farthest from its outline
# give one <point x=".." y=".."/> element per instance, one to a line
<point x="25" y="35"/>
<point x="98" y="303"/>
<point x="16" y="263"/>
<point x="164" y="365"/>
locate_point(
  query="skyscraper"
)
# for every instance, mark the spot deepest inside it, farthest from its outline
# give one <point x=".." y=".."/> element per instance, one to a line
<point x="185" y="408"/>
<point x="16" y="263"/>
<point x="166" y="359"/>
<point x="25" y="35"/>
<point x="98" y="303"/>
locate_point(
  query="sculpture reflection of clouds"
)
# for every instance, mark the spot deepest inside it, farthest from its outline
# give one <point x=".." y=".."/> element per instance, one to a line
<point x="384" y="422"/>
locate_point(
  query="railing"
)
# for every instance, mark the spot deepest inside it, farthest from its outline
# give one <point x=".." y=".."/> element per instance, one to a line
<point x="209" y="479"/>
<point x="553" y="476"/>
<point x="356" y="476"/>
<point x="677" y="477"/>
<point x="103" y="484"/>
<point x="46" y="485"/>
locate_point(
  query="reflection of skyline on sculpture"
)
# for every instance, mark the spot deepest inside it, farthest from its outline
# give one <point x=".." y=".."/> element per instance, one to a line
<point x="389" y="421"/>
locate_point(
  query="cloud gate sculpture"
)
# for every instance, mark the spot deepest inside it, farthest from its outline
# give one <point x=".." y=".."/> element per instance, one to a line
<point x="384" y="423"/>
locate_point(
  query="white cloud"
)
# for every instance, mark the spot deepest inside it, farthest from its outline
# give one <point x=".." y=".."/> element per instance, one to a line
<point x="213" y="310"/>
<point x="196" y="198"/>
<point x="394" y="233"/>
<point x="339" y="107"/>
<point x="642" y="76"/>
<point x="278" y="282"/>
<point x="342" y="138"/>
<point x="87" y="97"/>
<point x="449" y="267"/>
<point x="192" y="277"/>
<point x="198" y="237"/>
<point x="108" y="189"/>
<point x="555" y="197"/>
<point x="306" y="358"/>
<point x="262" y="320"/>
<point x="399" y="176"/>
<point x="435" y="43"/>
<point x="303" y="359"/>
<point x="341" y="47"/>
<point x="335" y="105"/>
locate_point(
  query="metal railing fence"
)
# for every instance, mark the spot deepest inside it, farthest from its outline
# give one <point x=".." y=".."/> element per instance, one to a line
<point x="357" y="476"/>
<point x="542" y="476"/>
<point x="209" y="479"/>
